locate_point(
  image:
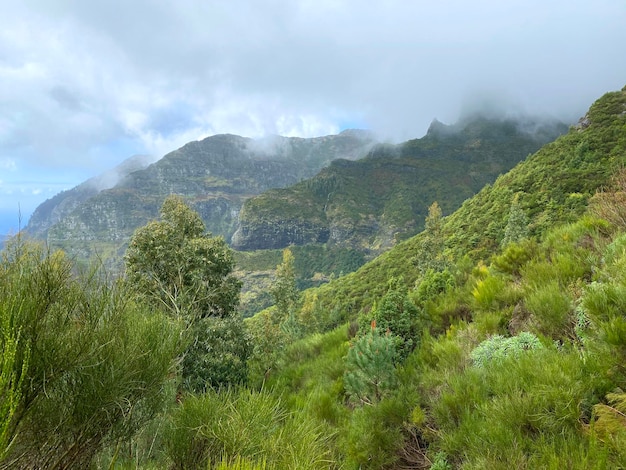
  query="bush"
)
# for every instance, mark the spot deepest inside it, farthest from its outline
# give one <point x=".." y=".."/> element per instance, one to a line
<point x="92" y="365"/>
<point x="536" y="401"/>
<point x="552" y="311"/>
<point x="252" y="426"/>
<point x="374" y="434"/>
<point x="498" y="347"/>
<point x="370" y="373"/>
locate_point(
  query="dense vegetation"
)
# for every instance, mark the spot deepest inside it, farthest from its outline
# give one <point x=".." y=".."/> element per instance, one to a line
<point x="496" y="338"/>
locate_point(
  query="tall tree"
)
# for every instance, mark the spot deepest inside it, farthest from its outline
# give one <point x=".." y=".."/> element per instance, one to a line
<point x="285" y="293"/>
<point x="517" y="226"/>
<point x="175" y="263"/>
<point x="432" y="255"/>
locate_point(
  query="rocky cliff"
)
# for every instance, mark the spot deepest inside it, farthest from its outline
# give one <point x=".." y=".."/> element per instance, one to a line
<point x="216" y="175"/>
<point x="372" y="203"/>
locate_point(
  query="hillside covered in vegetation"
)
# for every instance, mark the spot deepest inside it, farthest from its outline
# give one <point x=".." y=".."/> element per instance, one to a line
<point x="495" y="338"/>
<point x="372" y="203"/>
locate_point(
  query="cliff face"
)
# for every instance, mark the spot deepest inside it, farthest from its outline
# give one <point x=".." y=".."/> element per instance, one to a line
<point x="372" y="203"/>
<point x="216" y="175"/>
<point x="61" y="205"/>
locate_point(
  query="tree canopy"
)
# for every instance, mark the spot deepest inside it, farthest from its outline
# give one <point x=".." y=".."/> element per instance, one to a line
<point x="176" y="263"/>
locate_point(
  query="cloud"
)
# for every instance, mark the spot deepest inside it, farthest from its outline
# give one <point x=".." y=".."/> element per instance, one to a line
<point x="84" y="85"/>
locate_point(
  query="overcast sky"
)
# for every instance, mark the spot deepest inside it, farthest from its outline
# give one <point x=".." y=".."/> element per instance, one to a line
<point x="86" y="84"/>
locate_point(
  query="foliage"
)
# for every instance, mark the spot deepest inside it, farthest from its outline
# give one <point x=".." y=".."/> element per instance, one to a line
<point x="498" y="347"/>
<point x="13" y="369"/>
<point x="431" y="255"/>
<point x="286" y="295"/>
<point x="432" y="284"/>
<point x="252" y="425"/>
<point x="174" y="264"/>
<point x="610" y="418"/>
<point x="268" y="340"/>
<point x="370" y="372"/>
<point x="610" y="204"/>
<point x="517" y="225"/>
<point x="91" y="365"/>
<point x="374" y="434"/>
<point x="218" y="354"/>
<point x="396" y="314"/>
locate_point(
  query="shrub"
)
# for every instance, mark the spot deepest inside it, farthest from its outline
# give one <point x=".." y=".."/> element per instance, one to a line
<point x="374" y="434"/>
<point x="92" y="366"/>
<point x="552" y="310"/>
<point x="251" y="426"/>
<point x="370" y="373"/>
<point x="498" y="347"/>
<point x="397" y="314"/>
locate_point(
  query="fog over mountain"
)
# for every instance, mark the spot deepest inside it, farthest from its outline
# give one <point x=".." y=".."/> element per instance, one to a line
<point x="85" y="85"/>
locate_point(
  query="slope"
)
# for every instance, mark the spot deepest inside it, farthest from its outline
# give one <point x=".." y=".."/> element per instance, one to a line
<point x="518" y="355"/>
<point x="372" y="203"/>
<point x="216" y="175"/>
<point x="553" y="186"/>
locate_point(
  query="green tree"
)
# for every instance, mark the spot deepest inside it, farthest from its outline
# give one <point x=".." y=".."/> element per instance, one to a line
<point x="397" y="314"/>
<point x="517" y="225"/>
<point x="175" y="263"/>
<point x="285" y="294"/>
<point x="432" y="245"/>
<point x="370" y="373"/>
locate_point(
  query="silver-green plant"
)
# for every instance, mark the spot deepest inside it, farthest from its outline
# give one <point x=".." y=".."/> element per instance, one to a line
<point x="499" y="347"/>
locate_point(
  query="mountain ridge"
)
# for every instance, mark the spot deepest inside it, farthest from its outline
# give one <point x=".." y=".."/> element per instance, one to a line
<point x="382" y="198"/>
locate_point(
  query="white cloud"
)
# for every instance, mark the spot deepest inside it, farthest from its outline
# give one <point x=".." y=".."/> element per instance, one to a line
<point x="84" y="85"/>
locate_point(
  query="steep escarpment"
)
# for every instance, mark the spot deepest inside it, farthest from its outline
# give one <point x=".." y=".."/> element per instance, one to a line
<point x="377" y="201"/>
<point x="216" y="175"/>
<point x="61" y="205"/>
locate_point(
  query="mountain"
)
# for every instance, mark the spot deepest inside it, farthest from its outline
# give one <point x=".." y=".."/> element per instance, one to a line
<point x="61" y="205"/>
<point x="372" y="203"/>
<point x="552" y="186"/>
<point x="216" y="175"/>
<point x="519" y="346"/>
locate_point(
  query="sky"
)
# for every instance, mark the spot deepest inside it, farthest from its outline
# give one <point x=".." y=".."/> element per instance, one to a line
<point x="87" y="84"/>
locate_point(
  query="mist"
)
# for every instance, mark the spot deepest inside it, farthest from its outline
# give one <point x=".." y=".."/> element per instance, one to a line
<point x="84" y="85"/>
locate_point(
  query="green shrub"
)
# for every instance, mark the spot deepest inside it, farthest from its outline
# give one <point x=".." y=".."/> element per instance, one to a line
<point x="370" y="372"/>
<point x="552" y="310"/>
<point x="536" y="401"/>
<point x="433" y="284"/>
<point x="93" y="366"/>
<point x="488" y="293"/>
<point x="218" y="355"/>
<point x="397" y="314"/>
<point x="498" y="347"/>
<point x="254" y="426"/>
<point x="374" y="434"/>
<point x="515" y="256"/>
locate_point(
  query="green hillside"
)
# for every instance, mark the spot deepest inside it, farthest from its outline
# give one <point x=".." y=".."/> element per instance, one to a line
<point x="373" y="203"/>
<point x="494" y="339"/>
<point x="518" y="349"/>
<point x="553" y="186"/>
